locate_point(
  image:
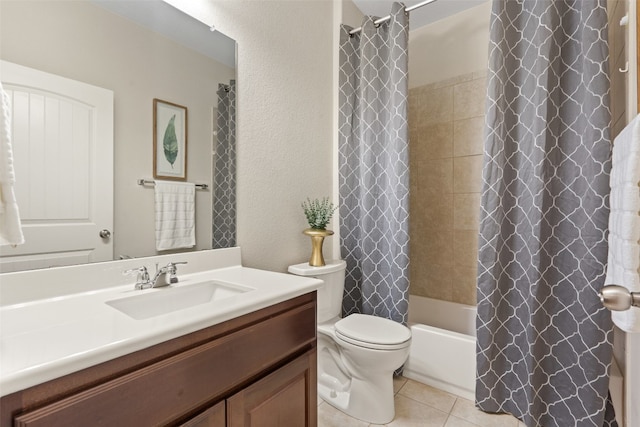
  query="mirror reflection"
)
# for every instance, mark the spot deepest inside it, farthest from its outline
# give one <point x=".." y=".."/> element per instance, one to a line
<point x="136" y="51"/>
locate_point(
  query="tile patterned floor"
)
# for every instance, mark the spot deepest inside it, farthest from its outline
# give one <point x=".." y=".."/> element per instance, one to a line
<point x="420" y="405"/>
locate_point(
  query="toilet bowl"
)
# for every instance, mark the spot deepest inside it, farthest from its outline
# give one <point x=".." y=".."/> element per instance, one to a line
<point x="357" y="355"/>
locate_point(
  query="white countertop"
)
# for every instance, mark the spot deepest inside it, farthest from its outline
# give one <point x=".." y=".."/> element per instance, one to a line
<point x="44" y="339"/>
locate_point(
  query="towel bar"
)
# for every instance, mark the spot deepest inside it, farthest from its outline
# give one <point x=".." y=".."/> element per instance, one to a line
<point x="152" y="182"/>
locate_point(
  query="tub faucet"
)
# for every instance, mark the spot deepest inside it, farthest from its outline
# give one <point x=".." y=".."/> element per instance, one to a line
<point x="166" y="275"/>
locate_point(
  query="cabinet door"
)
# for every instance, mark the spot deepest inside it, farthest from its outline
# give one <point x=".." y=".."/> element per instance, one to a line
<point x="284" y="398"/>
<point x="212" y="417"/>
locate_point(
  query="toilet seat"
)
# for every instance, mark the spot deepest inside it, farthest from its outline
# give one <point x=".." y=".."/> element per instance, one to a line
<point x="373" y="332"/>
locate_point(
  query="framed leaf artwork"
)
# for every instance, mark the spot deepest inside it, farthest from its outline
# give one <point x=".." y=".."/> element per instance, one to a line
<point x="169" y="141"/>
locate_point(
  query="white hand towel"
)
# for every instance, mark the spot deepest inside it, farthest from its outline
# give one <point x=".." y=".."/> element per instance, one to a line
<point x="623" y="267"/>
<point x="175" y="215"/>
<point x="10" y="226"/>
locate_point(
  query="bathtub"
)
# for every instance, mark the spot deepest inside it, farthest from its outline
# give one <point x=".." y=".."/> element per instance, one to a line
<point x="443" y="346"/>
<point x="443" y="349"/>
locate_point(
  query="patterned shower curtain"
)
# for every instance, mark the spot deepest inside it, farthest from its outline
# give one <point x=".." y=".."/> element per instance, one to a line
<point x="374" y="167"/>
<point x="544" y="338"/>
<point x="224" y="173"/>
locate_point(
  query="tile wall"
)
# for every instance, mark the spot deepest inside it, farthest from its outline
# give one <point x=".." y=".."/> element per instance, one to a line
<point x="446" y="123"/>
<point x="618" y="42"/>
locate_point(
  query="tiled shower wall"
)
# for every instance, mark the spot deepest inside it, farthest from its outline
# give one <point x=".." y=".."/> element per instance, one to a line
<point x="446" y="122"/>
<point x="618" y="42"/>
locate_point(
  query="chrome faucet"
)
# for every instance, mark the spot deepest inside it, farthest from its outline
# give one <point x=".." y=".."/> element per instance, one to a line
<point x="166" y="275"/>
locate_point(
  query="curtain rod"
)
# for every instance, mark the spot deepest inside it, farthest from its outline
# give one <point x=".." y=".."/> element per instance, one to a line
<point x="386" y="18"/>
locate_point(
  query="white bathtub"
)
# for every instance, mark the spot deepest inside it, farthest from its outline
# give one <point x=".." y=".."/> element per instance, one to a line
<point x="443" y="349"/>
<point x="443" y="346"/>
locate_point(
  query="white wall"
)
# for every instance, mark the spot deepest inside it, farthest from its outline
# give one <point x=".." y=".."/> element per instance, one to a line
<point x="81" y="41"/>
<point x="450" y="47"/>
<point x="285" y="119"/>
<point x="351" y="15"/>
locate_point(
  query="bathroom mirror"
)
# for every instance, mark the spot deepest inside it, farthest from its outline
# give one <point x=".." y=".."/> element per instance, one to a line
<point x="140" y="51"/>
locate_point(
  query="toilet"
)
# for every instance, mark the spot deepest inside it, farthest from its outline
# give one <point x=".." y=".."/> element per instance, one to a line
<point x="357" y="355"/>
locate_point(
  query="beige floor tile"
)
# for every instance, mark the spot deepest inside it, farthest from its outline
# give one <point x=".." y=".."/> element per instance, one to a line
<point x="458" y="422"/>
<point x="398" y="382"/>
<point x="412" y="413"/>
<point x="328" y="416"/>
<point x="428" y="395"/>
<point x="466" y="410"/>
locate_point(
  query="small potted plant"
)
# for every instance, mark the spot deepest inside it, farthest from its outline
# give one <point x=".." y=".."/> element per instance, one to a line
<point x="318" y="213"/>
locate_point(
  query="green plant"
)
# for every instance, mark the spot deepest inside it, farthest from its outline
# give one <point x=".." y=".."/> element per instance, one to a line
<point x="318" y="212"/>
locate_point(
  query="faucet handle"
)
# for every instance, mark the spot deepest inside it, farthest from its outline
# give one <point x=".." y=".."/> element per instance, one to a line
<point x="142" y="277"/>
<point x="140" y="270"/>
<point x="173" y="269"/>
<point x="173" y="264"/>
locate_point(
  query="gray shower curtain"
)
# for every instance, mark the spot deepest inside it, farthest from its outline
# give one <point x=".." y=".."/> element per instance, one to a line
<point x="224" y="173"/>
<point x="374" y="167"/>
<point x="544" y="339"/>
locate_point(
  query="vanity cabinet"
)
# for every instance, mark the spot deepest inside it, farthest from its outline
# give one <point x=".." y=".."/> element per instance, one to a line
<point x="255" y="370"/>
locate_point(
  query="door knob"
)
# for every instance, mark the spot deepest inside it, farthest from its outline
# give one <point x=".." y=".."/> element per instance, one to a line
<point x="618" y="298"/>
<point x="105" y="234"/>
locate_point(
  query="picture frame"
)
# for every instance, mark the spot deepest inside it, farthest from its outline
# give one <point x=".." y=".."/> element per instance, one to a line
<point x="169" y="141"/>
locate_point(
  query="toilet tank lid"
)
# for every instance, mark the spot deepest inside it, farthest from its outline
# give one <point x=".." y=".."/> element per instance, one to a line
<point x="304" y="269"/>
<point x="372" y="329"/>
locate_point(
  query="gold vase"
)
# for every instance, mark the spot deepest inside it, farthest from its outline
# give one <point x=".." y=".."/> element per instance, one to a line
<point x="317" y="238"/>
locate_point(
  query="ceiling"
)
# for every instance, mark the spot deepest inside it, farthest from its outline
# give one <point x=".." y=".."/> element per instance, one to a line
<point x="422" y="16"/>
<point x="162" y="18"/>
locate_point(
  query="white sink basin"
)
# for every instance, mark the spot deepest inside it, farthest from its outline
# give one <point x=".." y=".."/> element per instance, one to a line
<point x="158" y="301"/>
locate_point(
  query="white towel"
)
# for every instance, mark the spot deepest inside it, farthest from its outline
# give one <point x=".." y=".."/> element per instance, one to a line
<point x="623" y="267"/>
<point x="10" y="227"/>
<point x="175" y="215"/>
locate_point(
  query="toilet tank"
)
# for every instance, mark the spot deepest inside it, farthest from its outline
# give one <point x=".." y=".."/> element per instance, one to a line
<point x="330" y="294"/>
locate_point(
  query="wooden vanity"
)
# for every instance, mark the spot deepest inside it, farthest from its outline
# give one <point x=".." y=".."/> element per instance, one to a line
<point x="254" y="370"/>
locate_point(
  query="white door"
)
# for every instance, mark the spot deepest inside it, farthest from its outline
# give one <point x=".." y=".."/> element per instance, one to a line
<point x="63" y="158"/>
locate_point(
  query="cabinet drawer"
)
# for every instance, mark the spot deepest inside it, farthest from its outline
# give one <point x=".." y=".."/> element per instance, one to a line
<point x="186" y="382"/>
